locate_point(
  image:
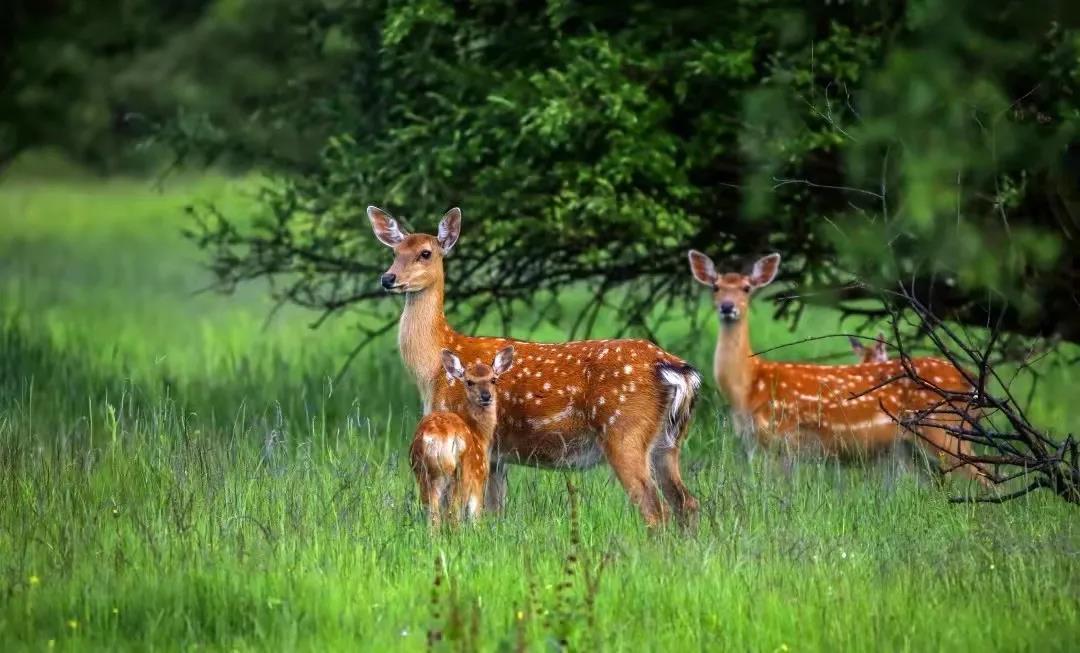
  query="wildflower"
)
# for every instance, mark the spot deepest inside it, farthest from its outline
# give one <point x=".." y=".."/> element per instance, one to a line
<point x="34" y="580"/>
<point x="73" y="623"/>
<point x="520" y="615"/>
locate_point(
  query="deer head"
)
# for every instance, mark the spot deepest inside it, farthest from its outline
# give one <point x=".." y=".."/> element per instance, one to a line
<point x="875" y="354"/>
<point x="417" y="257"/>
<point x="732" y="291"/>
<point x="479" y="378"/>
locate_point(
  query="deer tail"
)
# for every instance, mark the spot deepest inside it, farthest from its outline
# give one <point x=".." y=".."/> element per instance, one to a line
<point x="682" y="382"/>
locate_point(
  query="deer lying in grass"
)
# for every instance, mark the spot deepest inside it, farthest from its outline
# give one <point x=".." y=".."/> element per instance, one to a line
<point x="876" y="354"/>
<point x="845" y="410"/>
<point x="451" y="452"/>
<point x="567" y="405"/>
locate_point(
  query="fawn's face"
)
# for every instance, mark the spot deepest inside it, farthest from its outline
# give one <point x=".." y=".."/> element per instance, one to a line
<point x="480" y="378"/>
<point x="480" y="384"/>
<point x="878" y="353"/>
<point x="418" y="258"/>
<point x="732" y="291"/>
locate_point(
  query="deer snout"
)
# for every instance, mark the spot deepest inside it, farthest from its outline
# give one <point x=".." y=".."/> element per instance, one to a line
<point x="728" y="311"/>
<point x="485" y="397"/>
<point x="388" y="280"/>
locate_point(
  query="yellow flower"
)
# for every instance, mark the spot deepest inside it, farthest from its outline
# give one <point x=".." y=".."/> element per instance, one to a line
<point x="520" y="615"/>
<point x="34" y="580"/>
<point x="73" y="624"/>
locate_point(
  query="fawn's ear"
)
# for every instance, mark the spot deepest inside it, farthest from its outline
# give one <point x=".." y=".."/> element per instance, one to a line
<point x="452" y="364"/>
<point x="702" y="268"/>
<point x="385" y="226"/>
<point x="765" y="270"/>
<point x="503" y="360"/>
<point x="449" y="229"/>
<point x="857" y="346"/>
<point x="880" y="348"/>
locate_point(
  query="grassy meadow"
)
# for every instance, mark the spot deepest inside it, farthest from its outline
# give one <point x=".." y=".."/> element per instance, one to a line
<point x="177" y="472"/>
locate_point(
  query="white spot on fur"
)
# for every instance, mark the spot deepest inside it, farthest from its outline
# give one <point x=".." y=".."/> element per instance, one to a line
<point x="601" y="402"/>
<point x="628" y="369"/>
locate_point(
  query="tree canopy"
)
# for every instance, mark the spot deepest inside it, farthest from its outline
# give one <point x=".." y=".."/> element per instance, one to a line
<point x="868" y="142"/>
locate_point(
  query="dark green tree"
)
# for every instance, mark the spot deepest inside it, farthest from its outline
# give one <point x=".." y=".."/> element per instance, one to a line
<point x="595" y="142"/>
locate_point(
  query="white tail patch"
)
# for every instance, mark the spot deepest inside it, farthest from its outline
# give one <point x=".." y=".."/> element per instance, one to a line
<point x="684" y="385"/>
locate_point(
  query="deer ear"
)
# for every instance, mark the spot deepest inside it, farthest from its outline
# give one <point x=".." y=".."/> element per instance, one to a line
<point x="765" y="270"/>
<point x="856" y="345"/>
<point x="503" y="360"/>
<point x="385" y="226"/>
<point x="449" y="229"/>
<point x="880" y="348"/>
<point x="701" y="266"/>
<point x="452" y="364"/>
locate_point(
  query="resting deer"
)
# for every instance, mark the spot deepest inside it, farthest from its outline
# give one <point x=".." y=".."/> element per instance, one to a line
<point x="451" y="451"/>
<point x="876" y="354"/>
<point x="832" y="406"/>
<point x="567" y="405"/>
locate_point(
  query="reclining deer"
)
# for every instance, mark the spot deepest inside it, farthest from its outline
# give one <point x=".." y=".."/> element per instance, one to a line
<point x="832" y="407"/>
<point x="566" y="405"/>
<point x="878" y="353"/>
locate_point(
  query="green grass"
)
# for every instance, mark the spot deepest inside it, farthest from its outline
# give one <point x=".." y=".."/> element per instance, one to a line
<point x="175" y="474"/>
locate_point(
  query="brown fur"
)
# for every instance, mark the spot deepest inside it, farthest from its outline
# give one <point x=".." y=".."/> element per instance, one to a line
<point x="565" y="405"/>
<point x="450" y="453"/>
<point x="832" y="407"/>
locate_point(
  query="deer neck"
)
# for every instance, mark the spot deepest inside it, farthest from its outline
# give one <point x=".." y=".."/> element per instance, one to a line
<point x="422" y="334"/>
<point x="483" y="420"/>
<point x="733" y="366"/>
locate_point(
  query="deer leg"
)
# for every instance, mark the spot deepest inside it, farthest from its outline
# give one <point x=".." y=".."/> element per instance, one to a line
<point x="431" y="494"/>
<point x="950" y="451"/>
<point x="495" y="490"/>
<point x="472" y="486"/>
<point x="669" y="477"/>
<point x="629" y="458"/>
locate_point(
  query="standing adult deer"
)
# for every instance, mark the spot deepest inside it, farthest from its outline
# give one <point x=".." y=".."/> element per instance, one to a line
<point x="567" y="405"/>
<point x="838" y="408"/>
<point x="876" y="354"/>
<point x="451" y="452"/>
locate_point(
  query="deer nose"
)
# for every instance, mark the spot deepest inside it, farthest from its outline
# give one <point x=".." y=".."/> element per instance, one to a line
<point x="727" y="308"/>
<point x="485" y="396"/>
<point x="387" y="280"/>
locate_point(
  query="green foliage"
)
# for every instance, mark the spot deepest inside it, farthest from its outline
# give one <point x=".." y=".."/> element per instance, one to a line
<point x="597" y="142"/>
<point x="593" y="143"/>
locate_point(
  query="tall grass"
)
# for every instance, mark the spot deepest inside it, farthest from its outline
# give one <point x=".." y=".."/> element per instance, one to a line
<point x="175" y="474"/>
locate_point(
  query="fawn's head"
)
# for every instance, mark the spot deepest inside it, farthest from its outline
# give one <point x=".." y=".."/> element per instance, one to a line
<point x="417" y="257"/>
<point x="732" y="290"/>
<point x="479" y="378"/>
<point x="876" y="354"/>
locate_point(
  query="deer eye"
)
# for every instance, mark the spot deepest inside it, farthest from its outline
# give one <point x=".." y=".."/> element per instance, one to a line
<point x="469" y="383"/>
<point x="425" y="254"/>
<point x="746" y="288"/>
